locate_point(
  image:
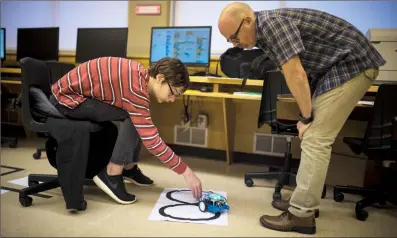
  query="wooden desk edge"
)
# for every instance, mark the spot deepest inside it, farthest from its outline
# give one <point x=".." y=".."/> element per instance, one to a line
<point x="193" y="79"/>
<point x="11" y="70"/>
<point x="232" y="81"/>
<point x="11" y="81"/>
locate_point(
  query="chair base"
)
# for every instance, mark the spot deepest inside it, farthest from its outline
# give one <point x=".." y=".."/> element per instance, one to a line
<point x="12" y="141"/>
<point x="285" y="175"/>
<point x="37" y="154"/>
<point x="42" y="182"/>
<point x="371" y="197"/>
<point x="284" y="178"/>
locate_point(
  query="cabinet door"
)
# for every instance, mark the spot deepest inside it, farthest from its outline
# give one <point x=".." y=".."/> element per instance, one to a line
<point x="389" y="52"/>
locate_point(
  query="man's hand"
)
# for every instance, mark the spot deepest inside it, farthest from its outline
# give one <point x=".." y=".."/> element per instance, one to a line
<point x="298" y="84"/>
<point x="193" y="182"/>
<point x="302" y="128"/>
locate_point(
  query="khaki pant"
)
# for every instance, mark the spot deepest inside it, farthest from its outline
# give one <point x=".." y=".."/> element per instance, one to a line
<point x="331" y="110"/>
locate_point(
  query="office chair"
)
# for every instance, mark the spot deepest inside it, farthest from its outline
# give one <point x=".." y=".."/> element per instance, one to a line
<point x="37" y="110"/>
<point x="380" y="144"/>
<point x="9" y="103"/>
<point x="274" y="85"/>
<point x="56" y="71"/>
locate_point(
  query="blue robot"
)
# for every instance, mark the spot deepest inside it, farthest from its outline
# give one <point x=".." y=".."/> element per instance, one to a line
<point x="213" y="202"/>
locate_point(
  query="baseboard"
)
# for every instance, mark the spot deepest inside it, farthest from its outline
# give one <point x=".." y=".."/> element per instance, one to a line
<point x="238" y="157"/>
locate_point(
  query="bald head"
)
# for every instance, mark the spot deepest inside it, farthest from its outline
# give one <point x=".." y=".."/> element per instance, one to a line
<point x="232" y="15"/>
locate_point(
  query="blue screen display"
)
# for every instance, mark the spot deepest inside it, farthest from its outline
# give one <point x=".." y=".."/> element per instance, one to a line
<point x="2" y="49"/>
<point x="190" y="45"/>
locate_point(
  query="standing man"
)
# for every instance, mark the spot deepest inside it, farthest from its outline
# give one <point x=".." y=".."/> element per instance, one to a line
<point x="341" y="64"/>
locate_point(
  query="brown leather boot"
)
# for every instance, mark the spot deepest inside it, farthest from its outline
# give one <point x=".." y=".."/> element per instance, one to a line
<point x="288" y="222"/>
<point x="283" y="205"/>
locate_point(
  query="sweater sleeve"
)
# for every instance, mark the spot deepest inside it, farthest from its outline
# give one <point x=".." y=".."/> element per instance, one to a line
<point x="140" y="117"/>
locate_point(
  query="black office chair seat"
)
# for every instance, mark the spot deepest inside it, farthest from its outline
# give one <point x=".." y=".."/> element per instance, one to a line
<point x="43" y="109"/>
<point x="355" y="144"/>
<point x="285" y="127"/>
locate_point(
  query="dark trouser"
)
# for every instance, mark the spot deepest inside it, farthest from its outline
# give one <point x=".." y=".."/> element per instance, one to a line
<point x="128" y="143"/>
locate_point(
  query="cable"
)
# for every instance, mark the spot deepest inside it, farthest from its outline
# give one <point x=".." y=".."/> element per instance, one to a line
<point x="186" y="109"/>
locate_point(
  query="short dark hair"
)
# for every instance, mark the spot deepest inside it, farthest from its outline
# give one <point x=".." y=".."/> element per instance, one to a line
<point x="175" y="72"/>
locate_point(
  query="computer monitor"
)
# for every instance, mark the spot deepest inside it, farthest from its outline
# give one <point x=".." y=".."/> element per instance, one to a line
<point x="192" y="45"/>
<point x="39" y="43"/>
<point x="101" y="42"/>
<point x="3" y="44"/>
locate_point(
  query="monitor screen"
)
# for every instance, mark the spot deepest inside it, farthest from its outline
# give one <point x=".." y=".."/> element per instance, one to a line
<point x="3" y="43"/>
<point x="101" y="42"/>
<point x="192" y="45"/>
<point x="38" y="43"/>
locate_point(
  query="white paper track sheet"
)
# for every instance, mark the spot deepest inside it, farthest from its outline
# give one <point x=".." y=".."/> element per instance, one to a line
<point x="179" y="205"/>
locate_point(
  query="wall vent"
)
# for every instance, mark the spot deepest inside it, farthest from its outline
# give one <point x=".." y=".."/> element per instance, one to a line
<point x="191" y="136"/>
<point x="269" y="144"/>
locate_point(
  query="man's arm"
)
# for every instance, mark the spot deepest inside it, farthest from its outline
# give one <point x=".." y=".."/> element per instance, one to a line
<point x="298" y="84"/>
<point x="283" y="43"/>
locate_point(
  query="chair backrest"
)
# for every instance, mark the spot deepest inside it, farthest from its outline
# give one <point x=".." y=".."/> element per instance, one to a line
<point x="37" y="78"/>
<point x="58" y="69"/>
<point x="274" y="85"/>
<point x="380" y="131"/>
<point x="34" y="74"/>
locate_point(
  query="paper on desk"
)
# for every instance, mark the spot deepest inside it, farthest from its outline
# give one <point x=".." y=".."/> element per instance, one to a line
<point x="213" y="77"/>
<point x="168" y="210"/>
<point x="371" y="103"/>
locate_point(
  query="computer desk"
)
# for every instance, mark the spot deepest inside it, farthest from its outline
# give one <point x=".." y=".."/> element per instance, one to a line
<point x="228" y="107"/>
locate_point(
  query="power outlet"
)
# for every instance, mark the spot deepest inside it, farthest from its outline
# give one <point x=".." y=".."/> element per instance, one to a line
<point x="202" y="121"/>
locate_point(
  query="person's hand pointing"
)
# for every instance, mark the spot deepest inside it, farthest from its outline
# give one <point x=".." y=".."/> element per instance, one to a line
<point x="193" y="182"/>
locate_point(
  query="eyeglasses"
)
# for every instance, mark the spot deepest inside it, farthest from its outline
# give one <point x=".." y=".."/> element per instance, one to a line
<point x="233" y="38"/>
<point x="172" y="92"/>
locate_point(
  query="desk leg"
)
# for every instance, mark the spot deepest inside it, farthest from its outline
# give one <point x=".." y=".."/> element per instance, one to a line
<point x="229" y="120"/>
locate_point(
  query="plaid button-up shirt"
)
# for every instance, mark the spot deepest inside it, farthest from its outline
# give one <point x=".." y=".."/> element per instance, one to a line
<point x="332" y="51"/>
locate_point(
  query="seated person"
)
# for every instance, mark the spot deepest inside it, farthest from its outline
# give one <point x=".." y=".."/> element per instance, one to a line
<point x="119" y="89"/>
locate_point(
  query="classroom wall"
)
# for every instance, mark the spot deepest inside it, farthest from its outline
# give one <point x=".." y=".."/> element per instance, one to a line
<point x="69" y="15"/>
<point x="362" y="14"/>
<point x="139" y="27"/>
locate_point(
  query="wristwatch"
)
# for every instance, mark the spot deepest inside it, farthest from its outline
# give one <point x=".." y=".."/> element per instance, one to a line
<point x="306" y="120"/>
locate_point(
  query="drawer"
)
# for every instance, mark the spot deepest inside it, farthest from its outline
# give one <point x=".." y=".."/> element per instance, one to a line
<point x="388" y="50"/>
<point x="390" y="75"/>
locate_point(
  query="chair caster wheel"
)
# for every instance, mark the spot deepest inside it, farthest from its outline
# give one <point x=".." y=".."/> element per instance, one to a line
<point x="83" y="205"/>
<point x="37" y="155"/>
<point x="276" y="196"/>
<point x="338" y="197"/>
<point x="25" y="201"/>
<point x="361" y="215"/>
<point x="249" y="182"/>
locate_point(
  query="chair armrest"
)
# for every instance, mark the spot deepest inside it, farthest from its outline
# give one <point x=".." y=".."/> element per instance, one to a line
<point x="394" y="128"/>
<point x="394" y="136"/>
